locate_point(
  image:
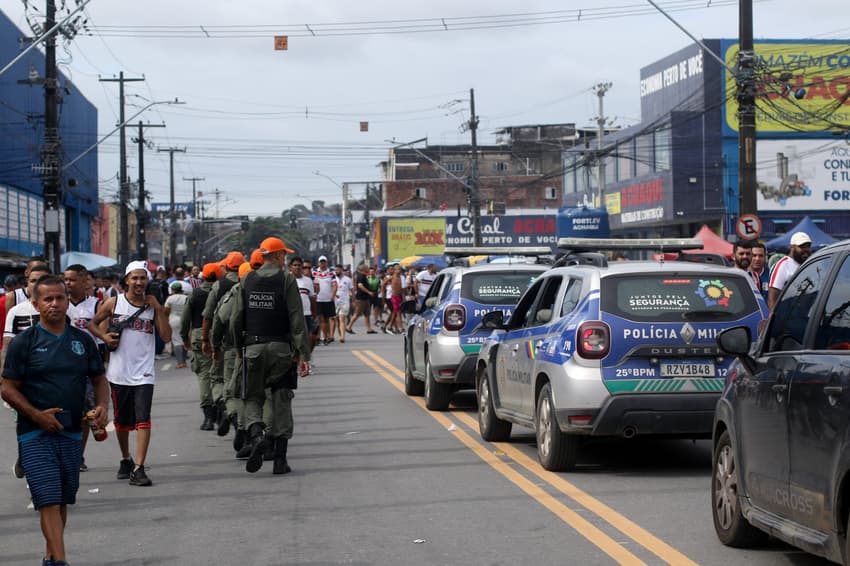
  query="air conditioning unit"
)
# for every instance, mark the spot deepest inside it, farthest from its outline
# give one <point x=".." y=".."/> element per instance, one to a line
<point x="550" y="193"/>
<point x="420" y="192"/>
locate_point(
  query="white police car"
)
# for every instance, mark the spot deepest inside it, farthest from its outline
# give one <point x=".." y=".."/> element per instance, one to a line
<point x="441" y="343"/>
<point x="612" y="349"/>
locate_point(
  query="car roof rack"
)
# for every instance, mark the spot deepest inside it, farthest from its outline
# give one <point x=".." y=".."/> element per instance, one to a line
<point x="656" y="244"/>
<point x="467" y="251"/>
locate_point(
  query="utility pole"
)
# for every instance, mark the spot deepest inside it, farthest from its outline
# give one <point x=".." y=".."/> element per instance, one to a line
<point x="746" y="111"/>
<point x="50" y="153"/>
<point x="600" y="91"/>
<point x="474" y="184"/>
<point x="217" y="197"/>
<point x="124" y="186"/>
<point x="141" y="212"/>
<point x="195" y="258"/>
<point x="172" y="211"/>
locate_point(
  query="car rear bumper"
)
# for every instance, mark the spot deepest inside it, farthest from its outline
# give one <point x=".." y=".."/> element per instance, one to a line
<point x="462" y="371"/>
<point x="687" y="415"/>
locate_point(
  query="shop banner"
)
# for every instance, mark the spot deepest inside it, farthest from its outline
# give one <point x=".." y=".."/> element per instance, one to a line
<point x="415" y="236"/>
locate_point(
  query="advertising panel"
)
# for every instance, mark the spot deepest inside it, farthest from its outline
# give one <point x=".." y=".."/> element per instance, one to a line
<point x="415" y="236"/>
<point x="677" y="80"/>
<point x="530" y="230"/>
<point x="639" y="203"/>
<point x="803" y="175"/>
<point x="812" y="96"/>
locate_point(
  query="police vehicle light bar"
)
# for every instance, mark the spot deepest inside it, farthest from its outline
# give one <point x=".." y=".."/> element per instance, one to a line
<point x="506" y="250"/>
<point x="660" y="244"/>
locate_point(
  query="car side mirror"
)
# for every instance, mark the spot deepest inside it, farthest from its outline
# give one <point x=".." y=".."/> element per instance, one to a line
<point x="493" y="320"/>
<point x="543" y="316"/>
<point x="736" y="342"/>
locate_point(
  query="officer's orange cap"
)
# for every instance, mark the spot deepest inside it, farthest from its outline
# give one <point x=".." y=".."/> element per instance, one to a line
<point x="233" y="261"/>
<point x="271" y="245"/>
<point x="211" y="269"/>
<point x="256" y="258"/>
<point x="244" y="269"/>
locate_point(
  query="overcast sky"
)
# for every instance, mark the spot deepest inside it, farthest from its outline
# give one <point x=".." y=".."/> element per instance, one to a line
<point x="258" y="123"/>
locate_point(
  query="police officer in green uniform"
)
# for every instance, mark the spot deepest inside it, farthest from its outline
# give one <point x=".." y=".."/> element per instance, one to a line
<point x="231" y="264"/>
<point x="224" y="347"/>
<point x="275" y="351"/>
<point x="190" y="331"/>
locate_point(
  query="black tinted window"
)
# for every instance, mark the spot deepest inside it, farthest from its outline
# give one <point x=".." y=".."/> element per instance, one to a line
<point x="496" y="288"/>
<point x="672" y="297"/>
<point x="834" y="327"/>
<point x="791" y="314"/>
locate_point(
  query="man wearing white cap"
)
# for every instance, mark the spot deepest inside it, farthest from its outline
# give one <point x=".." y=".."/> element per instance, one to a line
<point x="785" y="268"/>
<point x="130" y="337"/>
<point x="325" y="282"/>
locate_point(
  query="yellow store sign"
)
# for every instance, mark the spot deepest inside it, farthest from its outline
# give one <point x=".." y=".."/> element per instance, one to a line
<point x="415" y="236"/>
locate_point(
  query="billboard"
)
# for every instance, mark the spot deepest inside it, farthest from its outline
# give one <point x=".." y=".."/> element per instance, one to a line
<point x="803" y="175"/>
<point x="640" y="203"/>
<point x="678" y="81"/>
<point x="415" y="236"/>
<point x="812" y="96"/>
<point x="527" y="230"/>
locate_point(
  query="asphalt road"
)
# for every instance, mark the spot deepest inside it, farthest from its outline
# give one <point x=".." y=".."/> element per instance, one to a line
<point x="377" y="479"/>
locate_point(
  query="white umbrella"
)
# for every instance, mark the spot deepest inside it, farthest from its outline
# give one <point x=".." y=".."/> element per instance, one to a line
<point x="89" y="260"/>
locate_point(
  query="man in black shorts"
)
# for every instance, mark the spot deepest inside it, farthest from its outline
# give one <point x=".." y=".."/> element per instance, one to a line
<point x="44" y="379"/>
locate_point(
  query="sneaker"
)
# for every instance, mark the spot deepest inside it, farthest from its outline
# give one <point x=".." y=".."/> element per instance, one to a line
<point x="125" y="469"/>
<point x="372" y="332"/>
<point x="384" y="328"/>
<point x="328" y="341"/>
<point x="350" y="331"/>
<point x="139" y="477"/>
<point x="83" y="467"/>
<point x="47" y="562"/>
<point x="18" y="469"/>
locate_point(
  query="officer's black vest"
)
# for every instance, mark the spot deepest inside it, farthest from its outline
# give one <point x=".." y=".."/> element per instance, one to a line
<point x="224" y="286"/>
<point x="197" y="302"/>
<point x="266" y="314"/>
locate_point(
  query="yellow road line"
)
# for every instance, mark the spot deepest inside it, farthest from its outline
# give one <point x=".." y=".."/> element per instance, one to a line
<point x="629" y="528"/>
<point x="586" y="529"/>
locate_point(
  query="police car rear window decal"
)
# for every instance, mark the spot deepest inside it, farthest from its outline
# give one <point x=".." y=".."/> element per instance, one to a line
<point x="714" y="293"/>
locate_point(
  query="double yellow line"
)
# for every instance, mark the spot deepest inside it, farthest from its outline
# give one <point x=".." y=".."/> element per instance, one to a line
<point x="502" y="459"/>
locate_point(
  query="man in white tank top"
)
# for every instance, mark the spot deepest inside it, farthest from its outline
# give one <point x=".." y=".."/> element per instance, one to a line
<point x="131" y="364"/>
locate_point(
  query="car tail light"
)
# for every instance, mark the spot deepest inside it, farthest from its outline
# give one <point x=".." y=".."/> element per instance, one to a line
<point x="454" y="317"/>
<point x="580" y="420"/>
<point x="593" y="340"/>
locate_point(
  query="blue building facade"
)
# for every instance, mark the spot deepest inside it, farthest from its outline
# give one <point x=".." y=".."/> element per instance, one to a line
<point x="21" y="140"/>
<point x="678" y="168"/>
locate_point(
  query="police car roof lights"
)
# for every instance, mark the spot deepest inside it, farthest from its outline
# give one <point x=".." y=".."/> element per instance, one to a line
<point x="660" y="244"/>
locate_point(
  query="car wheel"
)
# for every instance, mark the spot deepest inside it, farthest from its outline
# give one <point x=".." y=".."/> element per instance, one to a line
<point x="729" y="523"/>
<point x="555" y="450"/>
<point x="412" y="386"/>
<point x="437" y="395"/>
<point x="491" y="427"/>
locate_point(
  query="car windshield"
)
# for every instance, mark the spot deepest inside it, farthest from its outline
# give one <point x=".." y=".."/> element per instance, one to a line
<point x="674" y="297"/>
<point x="496" y="288"/>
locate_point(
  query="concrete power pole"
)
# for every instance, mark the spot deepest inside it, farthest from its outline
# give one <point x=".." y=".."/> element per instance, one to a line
<point x="474" y="181"/>
<point x="51" y="165"/>
<point x="141" y="212"/>
<point x="746" y="111"/>
<point x="600" y="91"/>
<point x="172" y="211"/>
<point x="124" y="185"/>
<point x="196" y="255"/>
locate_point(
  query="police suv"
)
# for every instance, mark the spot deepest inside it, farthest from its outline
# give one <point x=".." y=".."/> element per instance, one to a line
<point x="625" y="348"/>
<point x="782" y="426"/>
<point x="441" y="342"/>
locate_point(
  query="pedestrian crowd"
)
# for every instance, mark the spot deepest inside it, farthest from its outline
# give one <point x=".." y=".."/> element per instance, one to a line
<point x="76" y="341"/>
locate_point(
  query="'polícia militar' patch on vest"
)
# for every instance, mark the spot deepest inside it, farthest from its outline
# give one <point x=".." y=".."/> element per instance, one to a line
<point x="261" y="300"/>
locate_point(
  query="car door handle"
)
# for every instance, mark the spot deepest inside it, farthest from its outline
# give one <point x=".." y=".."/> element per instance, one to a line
<point x="516" y="347"/>
<point x="780" y="388"/>
<point x="538" y="343"/>
<point x="833" y="390"/>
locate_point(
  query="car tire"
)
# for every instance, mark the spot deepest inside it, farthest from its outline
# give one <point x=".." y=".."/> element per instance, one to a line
<point x="412" y="386"/>
<point x="437" y="395"/>
<point x="729" y="523"/>
<point x="491" y="427"/>
<point x="555" y="450"/>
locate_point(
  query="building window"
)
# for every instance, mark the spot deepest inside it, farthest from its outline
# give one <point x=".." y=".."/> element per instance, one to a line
<point x="644" y="161"/>
<point x="570" y="175"/>
<point x="455" y="167"/>
<point x="662" y="149"/>
<point x="624" y="161"/>
<point x="500" y="167"/>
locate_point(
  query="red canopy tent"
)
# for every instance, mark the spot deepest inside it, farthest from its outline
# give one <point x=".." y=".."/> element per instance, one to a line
<point x="712" y="243"/>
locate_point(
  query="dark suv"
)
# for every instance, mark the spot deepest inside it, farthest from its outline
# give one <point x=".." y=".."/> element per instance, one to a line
<point x="782" y="426"/>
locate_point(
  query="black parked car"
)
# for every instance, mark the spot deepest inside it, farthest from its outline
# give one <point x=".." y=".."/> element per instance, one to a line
<point x="782" y="426"/>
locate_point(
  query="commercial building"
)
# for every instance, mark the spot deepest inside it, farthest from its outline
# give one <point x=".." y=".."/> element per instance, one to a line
<point x="21" y="142"/>
<point x="678" y="168"/>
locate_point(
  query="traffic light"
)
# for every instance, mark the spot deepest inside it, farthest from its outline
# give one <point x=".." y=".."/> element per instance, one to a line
<point x="293" y="220"/>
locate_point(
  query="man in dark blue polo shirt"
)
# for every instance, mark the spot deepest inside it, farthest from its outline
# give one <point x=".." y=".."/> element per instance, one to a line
<point x="44" y="379"/>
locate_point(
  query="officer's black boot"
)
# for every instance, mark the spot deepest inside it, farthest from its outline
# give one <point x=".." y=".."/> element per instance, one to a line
<point x="268" y="453"/>
<point x="239" y="438"/>
<point x="225" y="421"/>
<point x="209" y="418"/>
<point x="258" y="446"/>
<point x="280" y="465"/>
